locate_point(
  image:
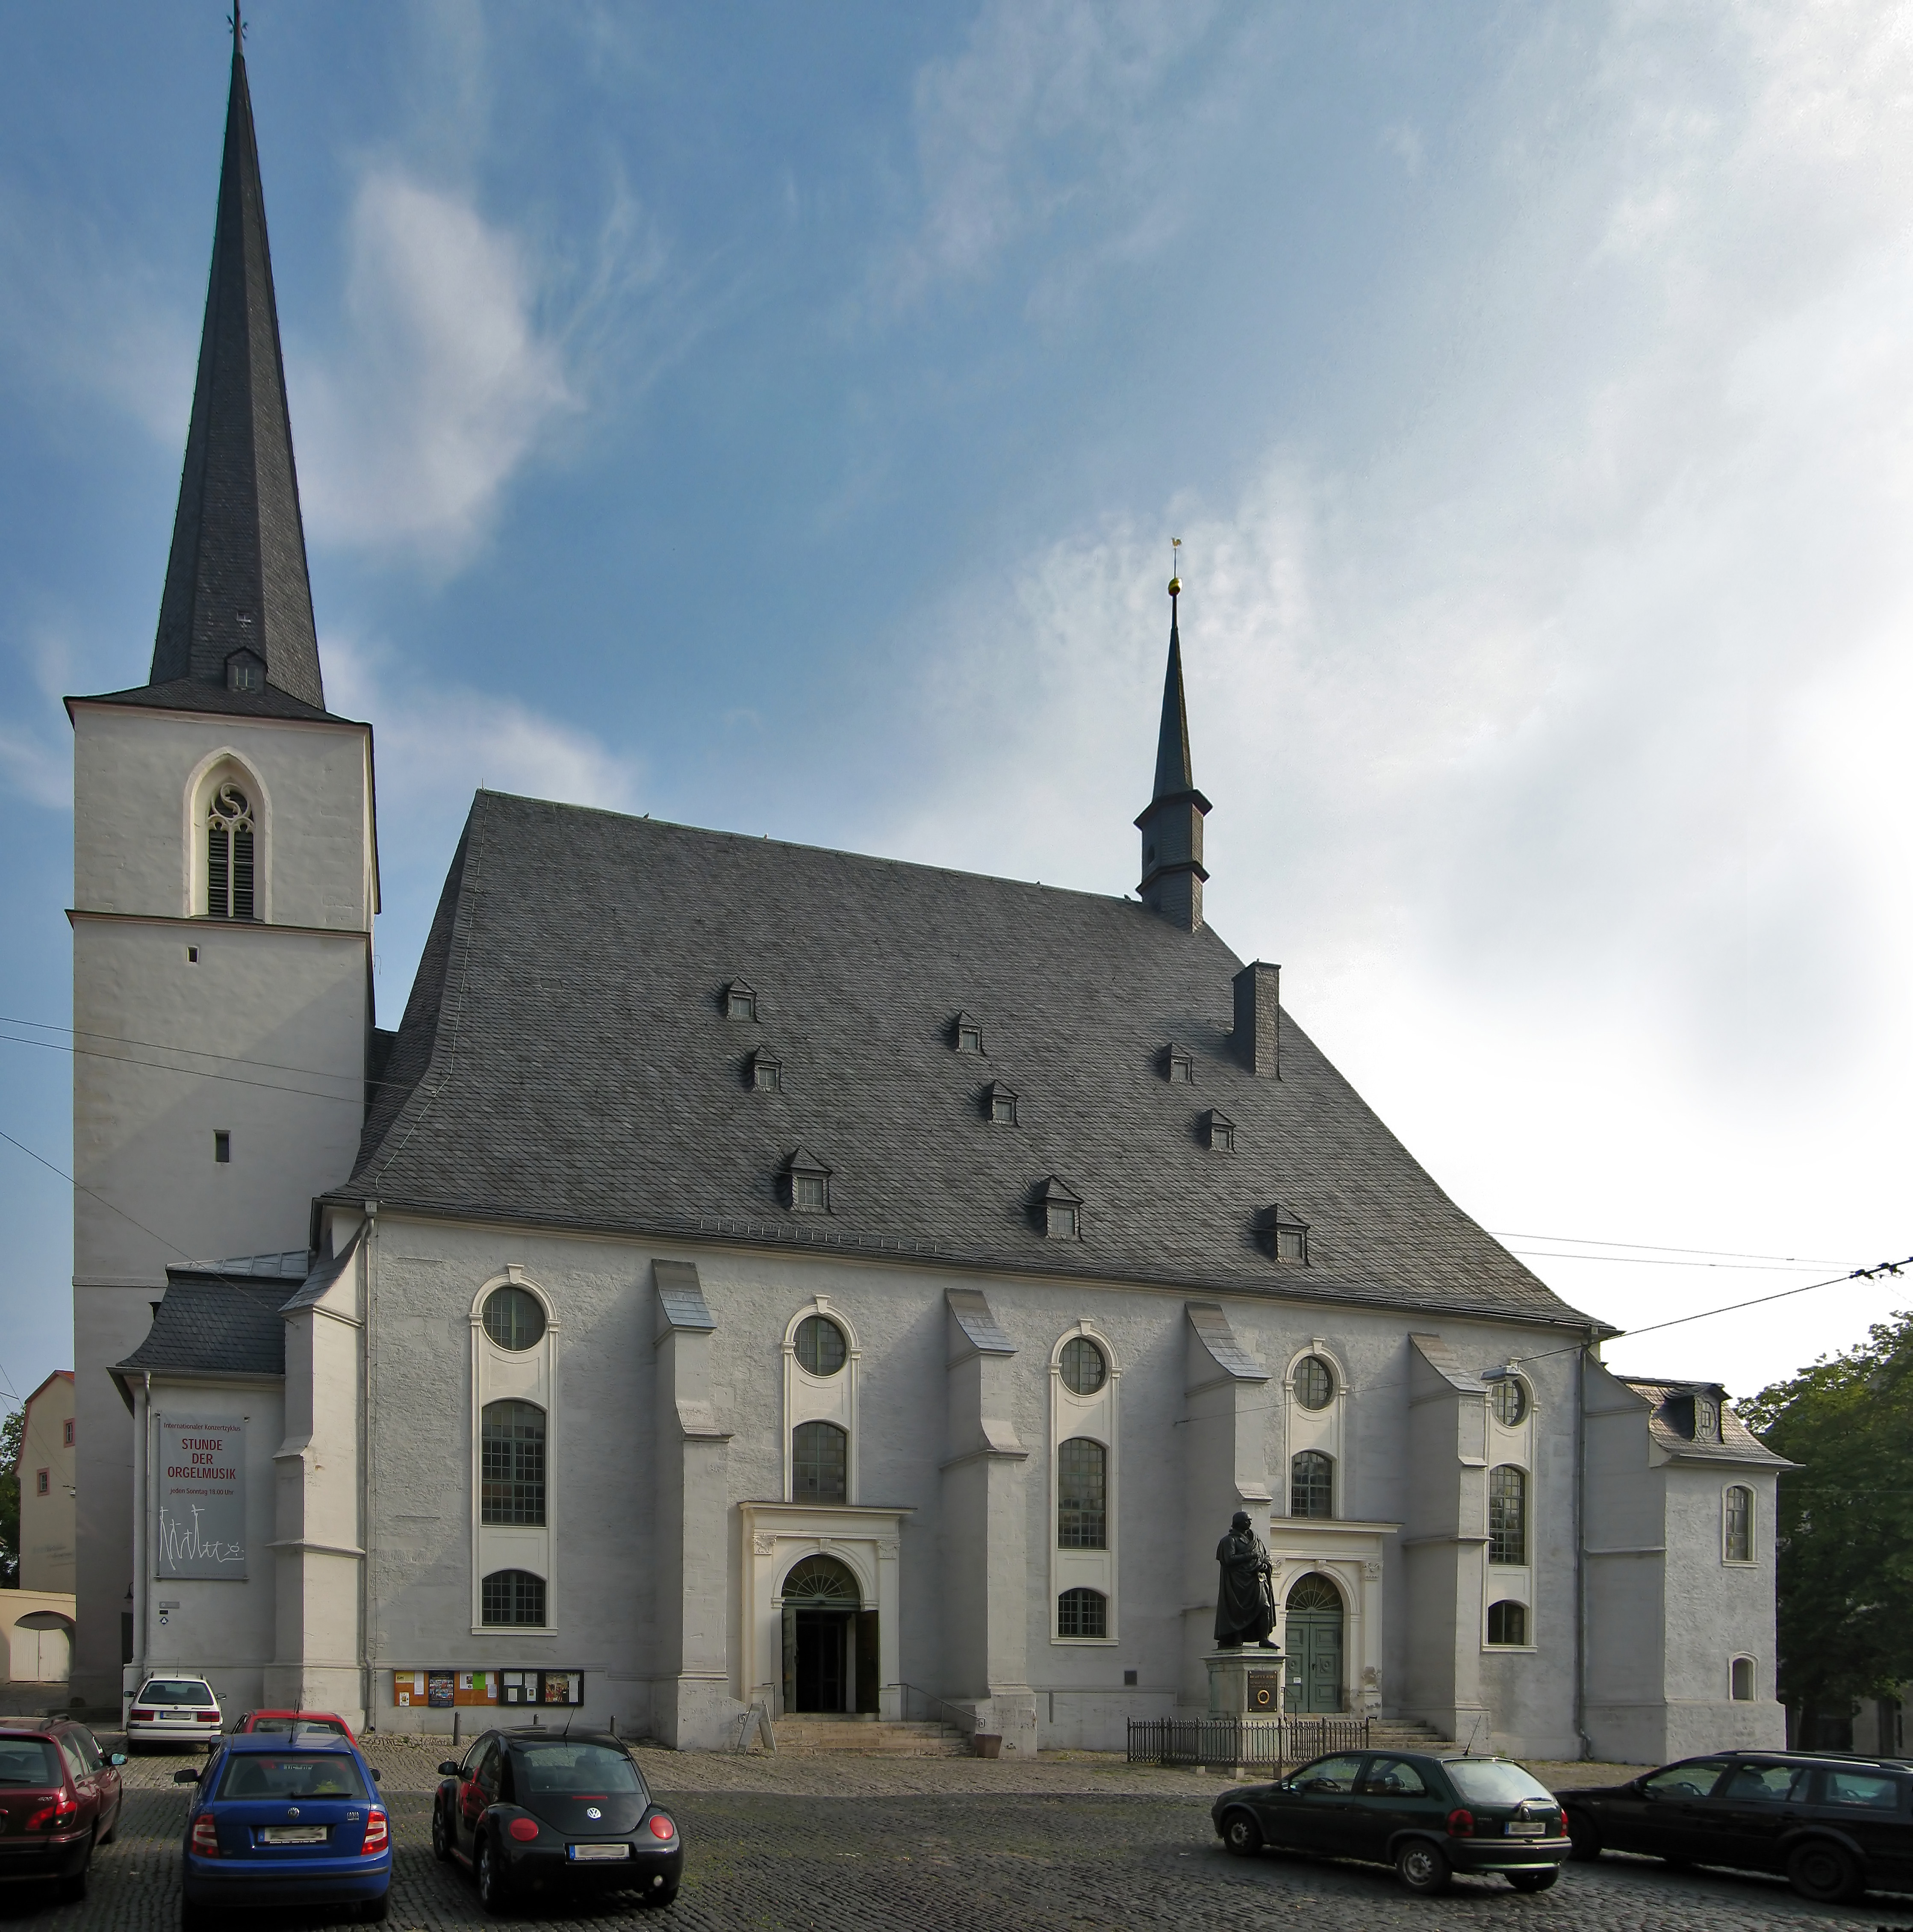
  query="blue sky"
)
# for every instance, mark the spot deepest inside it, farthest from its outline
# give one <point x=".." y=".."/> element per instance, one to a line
<point x="776" y="418"/>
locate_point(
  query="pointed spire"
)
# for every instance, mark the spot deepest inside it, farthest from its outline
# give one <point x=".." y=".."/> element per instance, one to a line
<point x="1171" y="823"/>
<point x="237" y="607"/>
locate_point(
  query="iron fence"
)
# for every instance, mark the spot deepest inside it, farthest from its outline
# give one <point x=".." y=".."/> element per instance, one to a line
<point x="1268" y="1743"/>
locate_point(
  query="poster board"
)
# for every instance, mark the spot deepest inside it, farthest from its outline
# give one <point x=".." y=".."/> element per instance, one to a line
<point x="462" y="1689"/>
<point x="199" y="1488"/>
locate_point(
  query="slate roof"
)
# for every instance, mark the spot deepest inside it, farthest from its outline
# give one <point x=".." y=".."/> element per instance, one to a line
<point x="214" y="1324"/>
<point x="564" y="1060"/>
<point x="1738" y="1443"/>
<point x="192" y="694"/>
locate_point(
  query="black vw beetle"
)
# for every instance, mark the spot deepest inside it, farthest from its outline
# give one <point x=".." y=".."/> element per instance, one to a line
<point x="554" y="1811"/>
<point x="1429" y="1816"/>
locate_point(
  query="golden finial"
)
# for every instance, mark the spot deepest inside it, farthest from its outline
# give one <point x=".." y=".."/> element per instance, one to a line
<point x="1175" y="581"/>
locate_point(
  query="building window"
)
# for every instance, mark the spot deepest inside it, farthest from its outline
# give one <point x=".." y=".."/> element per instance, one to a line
<point x="1084" y="1370"/>
<point x="41" y="1483"/>
<point x="1082" y="1613"/>
<point x="509" y="1597"/>
<point x="511" y="1463"/>
<point x="1507" y="1623"/>
<point x="1082" y="1495"/>
<point x="1178" y="1067"/>
<point x="1219" y="1132"/>
<point x="243" y="672"/>
<point x="66" y="1432"/>
<point x="1737" y="1525"/>
<point x="1315" y="1382"/>
<point x="1507" y="1515"/>
<point x="740" y="1001"/>
<point x="1059" y="1211"/>
<point x="1311" y="1484"/>
<point x="807" y="1184"/>
<point x="514" y="1318"/>
<point x="1508" y="1400"/>
<point x="230" y="855"/>
<point x="1284" y="1233"/>
<point x="1740" y="1680"/>
<point x="821" y="1345"/>
<point x="999" y="1104"/>
<point x="222" y="1147"/>
<point x="969" y="1034"/>
<point x="763" y="1073"/>
<point x="819" y="1463"/>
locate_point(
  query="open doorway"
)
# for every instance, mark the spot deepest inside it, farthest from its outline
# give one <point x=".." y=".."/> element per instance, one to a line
<point x="830" y="1655"/>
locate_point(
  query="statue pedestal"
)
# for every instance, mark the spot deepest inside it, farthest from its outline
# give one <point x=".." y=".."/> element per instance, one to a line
<point x="1241" y="1734"/>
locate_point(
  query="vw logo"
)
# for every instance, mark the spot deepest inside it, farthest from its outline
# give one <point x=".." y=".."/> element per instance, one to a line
<point x="592" y="1811"/>
<point x="291" y="1811"/>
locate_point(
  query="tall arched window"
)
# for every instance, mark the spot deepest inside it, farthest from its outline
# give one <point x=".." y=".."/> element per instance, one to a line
<point x="511" y="1464"/>
<point x="1507" y="1515"/>
<point x="1311" y="1484"/>
<point x="819" y="1463"/>
<point x="1737" y="1524"/>
<point x="512" y="1597"/>
<point x="230" y="854"/>
<point x="1082" y="1495"/>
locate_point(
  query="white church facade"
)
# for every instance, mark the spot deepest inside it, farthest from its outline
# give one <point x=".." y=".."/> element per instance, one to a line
<point x="752" y="1276"/>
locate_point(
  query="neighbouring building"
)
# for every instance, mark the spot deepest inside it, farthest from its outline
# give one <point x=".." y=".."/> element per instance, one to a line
<point x="36" y="1619"/>
<point x="752" y="1276"/>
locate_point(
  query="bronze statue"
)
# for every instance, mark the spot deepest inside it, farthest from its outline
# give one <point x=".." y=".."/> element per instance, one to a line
<point x="1245" y="1596"/>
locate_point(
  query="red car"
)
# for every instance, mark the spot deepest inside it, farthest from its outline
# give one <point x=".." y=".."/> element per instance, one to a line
<point x="59" y="1797"/>
<point x="290" y="1723"/>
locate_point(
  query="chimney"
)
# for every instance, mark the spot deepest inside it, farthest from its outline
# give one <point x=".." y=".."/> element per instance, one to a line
<point x="1257" y="1035"/>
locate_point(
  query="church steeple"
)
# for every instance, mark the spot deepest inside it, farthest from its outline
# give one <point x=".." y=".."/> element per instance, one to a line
<point x="1171" y="823"/>
<point x="236" y="613"/>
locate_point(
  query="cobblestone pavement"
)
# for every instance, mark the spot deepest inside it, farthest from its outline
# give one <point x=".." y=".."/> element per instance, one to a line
<point x="1026" y="1851"/>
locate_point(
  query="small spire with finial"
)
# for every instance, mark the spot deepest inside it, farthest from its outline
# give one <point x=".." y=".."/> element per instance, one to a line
<point x="236" y="21"/>
<point x="1175" y="565"/>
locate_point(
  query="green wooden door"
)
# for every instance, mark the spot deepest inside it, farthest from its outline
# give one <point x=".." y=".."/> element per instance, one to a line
<point x="1312" y="1647"/>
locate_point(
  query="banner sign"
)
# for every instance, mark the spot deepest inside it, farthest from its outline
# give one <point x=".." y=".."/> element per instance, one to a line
<point x="200" y="1468"/>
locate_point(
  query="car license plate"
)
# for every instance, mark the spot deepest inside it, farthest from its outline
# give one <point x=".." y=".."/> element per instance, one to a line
<point x="1526" y="1827"/>
<point x="582" y="1852"/>
<point x="294" y="1834"/>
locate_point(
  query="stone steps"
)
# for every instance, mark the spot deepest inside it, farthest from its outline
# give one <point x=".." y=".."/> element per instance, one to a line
<point x="811" y="1733"/>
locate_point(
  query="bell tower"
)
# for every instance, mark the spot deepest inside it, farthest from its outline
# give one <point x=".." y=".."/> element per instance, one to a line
<point x="1171" y="823"/>
<point x="225" y="879"/>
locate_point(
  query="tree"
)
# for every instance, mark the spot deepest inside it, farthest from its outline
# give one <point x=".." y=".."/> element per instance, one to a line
<point x="1846" y="1528"/>
<point x="11" y="1431"/>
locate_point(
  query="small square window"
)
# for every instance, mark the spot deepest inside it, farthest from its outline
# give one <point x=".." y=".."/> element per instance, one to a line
<point x="810" y="1191"/>
<point x="968" y="1036"/>
<point x="222" y="1146"/>
<point x="192" y="955"/>
<point x="1218" y="1131"/>
<point x="763" y="1073"/>
<point x="1059" y="1222"/>
<point x="740" y="1001"/>
<point x="1178" y="1067"/>
<point x="1291" y="1244"/>
<point x="999" y="1105"/>
<point x="1129" y="1680"/>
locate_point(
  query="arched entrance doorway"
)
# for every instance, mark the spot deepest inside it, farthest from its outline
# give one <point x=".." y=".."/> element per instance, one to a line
<point x="830" y="1656"/>
<point x="1312" y="1647"/>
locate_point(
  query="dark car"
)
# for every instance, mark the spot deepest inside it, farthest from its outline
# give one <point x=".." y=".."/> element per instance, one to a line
<point x="286" y="1822"/>
<point x="548" y="1810"/>
<point x="1430" y="1815"/>
<point x="60" y="1796"/>
<point x="1835" y="1826"/>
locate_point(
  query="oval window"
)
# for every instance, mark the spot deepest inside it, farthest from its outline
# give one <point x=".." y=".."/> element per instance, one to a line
<point x="1315" y="1382"/>
<point x="1084" y="1371"/>
<point x="820" y="1349"/>
<point x="514" y="1318"/>
<point x="1510" y="1402"/>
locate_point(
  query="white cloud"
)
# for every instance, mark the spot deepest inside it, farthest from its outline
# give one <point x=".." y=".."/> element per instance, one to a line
<point x="409" y="433"/>
<point x="1554" y="747"/>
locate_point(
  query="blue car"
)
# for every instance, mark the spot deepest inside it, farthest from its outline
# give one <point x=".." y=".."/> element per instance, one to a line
<point x="286" y="1822"/>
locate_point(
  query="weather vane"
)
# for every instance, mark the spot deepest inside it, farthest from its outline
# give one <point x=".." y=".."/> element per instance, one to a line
<point x="1175" y="565"/>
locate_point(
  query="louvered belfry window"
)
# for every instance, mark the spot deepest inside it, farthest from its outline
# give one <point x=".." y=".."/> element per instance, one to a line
<point x="511" y="1457"/>
<point x="230" y="855"/>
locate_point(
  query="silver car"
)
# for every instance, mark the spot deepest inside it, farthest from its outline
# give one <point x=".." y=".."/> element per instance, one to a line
<point x="174" y="1711"/>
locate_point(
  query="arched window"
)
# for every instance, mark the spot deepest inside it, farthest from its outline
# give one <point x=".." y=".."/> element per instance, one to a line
<point x="1082" y="1495"/>
<point x="1082" y="1613"/>
<point x="1311" y="1484"/>
<point x="819" y="1463"/>
<point x="820" y="1582"/>
<point x="1737" y="1524"/>
<point x="1740" y="1680"/>
<point x="1507" y="1515"/>
<point x="821" y="1348"/>
<point x="511" y="1464"/>
<point x="1507" y="1623"/>
<point x="230" y="854"/>
<point x="513" y="1596"/>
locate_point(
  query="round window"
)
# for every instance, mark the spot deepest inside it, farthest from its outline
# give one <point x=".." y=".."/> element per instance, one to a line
<point x="1510" y="1401"/>
<point x="1315" y="1382"/>
<point x="1084" y="1371"/>
<point x="514" y="1318"/>
<point x="821" y="1348"/>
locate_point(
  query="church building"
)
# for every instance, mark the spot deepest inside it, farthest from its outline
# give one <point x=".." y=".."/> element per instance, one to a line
<point x="754" y="1279"/>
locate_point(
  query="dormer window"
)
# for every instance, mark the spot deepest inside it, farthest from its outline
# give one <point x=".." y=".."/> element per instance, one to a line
<point x="740" y="1001"/>
<point x="806" y="1184"/>
<point x="763" y="1073"/>
<point x="1285" y="1236"/>
<point x="966" y="1034"/>
<point x="244" y="672"/>
<point x="1219" y="1132"/>
<point x="999" y="1104"/>
<point x="1058" y="1212"/>
<point x="1178" y="1066"/>
<point x="1696" y="1414"/>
